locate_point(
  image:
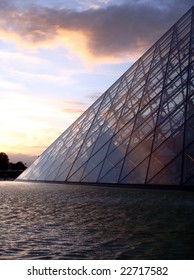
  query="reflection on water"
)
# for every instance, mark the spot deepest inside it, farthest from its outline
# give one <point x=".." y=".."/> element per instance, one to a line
<point x="51" y="221"/>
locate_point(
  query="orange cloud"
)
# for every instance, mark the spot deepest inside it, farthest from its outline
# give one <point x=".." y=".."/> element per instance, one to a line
<point x="108" y="35"/>
<point x="72" y="108"/>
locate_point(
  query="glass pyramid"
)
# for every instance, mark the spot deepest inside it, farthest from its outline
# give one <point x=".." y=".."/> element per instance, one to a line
<point x="141" y="130"/>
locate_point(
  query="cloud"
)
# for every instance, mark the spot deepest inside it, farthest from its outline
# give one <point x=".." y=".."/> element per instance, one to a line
<point x="93" y="97"/>
<point x="104" y="34"/>
<point x="73" y="108"/>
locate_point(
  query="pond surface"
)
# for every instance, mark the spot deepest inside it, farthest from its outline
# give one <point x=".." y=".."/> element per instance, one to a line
<point x="53" y="221"/>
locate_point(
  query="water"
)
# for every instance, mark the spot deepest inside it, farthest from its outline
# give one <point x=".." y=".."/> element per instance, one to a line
<point x="51" y="221"/>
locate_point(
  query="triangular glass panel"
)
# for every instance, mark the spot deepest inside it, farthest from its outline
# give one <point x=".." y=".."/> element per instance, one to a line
<point x="170" y="175"/>
<point x="188" y="163"/>
<point x="137" y="175"/>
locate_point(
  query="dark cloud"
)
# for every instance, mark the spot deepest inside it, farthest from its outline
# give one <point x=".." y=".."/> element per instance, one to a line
<point x="110" y="31"/>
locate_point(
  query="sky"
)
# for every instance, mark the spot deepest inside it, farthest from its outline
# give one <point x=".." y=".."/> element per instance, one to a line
<point x="57" y="57"/>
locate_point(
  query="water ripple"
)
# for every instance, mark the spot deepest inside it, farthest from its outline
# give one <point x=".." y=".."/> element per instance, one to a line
<point x="50" y="221"/>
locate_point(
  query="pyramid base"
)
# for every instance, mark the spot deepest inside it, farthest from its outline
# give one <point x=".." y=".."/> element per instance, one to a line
<point x="112" y="185"/>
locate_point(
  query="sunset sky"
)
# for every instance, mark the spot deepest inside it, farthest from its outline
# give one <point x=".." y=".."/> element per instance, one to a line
<point x="58" y="56"/>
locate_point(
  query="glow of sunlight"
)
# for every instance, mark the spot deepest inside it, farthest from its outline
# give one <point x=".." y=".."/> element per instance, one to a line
<point x="29" y="122"/>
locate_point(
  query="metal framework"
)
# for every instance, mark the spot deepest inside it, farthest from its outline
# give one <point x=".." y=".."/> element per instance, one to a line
<point x="141" y="130"/>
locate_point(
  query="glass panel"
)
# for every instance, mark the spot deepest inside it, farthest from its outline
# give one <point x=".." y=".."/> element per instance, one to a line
<point x="96" y="159"/>
<point x="142" y="131"/>
<point x="121" y="139"/>
<point x="105" y="138"/>
<point x="189" y="131"/>
<point x="67" y="163"/>
<point x="60" y="158"/>
<point x="111" y="160"/>
<point x="190" y="106"/>
<point x="170" y="175"/>
<point x="51" y="176"/>
<point x="127" y="116"/>
<point x="88" y="145"/>
<point x="137" y="175"/>
<point x="63" y="175"/>
<point x="166" y="152"/>
<point x="148" y="114"/>
<point x="40" y="165"/>
<point x="188" y="163"/>
<point x="43" y="174"/>
<point x="190" y="182"/>
<point x="113" y="175"/>
<point x="137" y="155"/>
<point x="76" y="177"/>
<point x="172" y="123"/>
<point x="93" y="175"/>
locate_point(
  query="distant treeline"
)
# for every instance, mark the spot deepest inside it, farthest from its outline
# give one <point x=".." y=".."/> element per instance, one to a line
<point x="9" y="170"/>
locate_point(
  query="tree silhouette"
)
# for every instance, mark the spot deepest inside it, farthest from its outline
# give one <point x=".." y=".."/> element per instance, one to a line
<point x="4" y="161"/>
<point x="17" y="166"/>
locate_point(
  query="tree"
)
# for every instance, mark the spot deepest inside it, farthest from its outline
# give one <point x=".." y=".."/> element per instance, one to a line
<point x="20" y="166"/>
<point x="17" y="166"/>
<point x="4" y="161"/>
